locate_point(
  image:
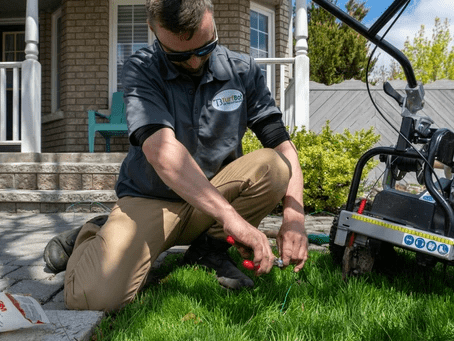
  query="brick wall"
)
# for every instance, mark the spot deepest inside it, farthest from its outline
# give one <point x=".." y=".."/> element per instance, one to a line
<point x="232" y="21"/>
<point x="45" y="45"/>
<point x="85" y="65"/>
<point x="53" y="134"/>
<point x="234" y="30"/>
<point x="85" y="73"/>
<point x="84" y="76"/>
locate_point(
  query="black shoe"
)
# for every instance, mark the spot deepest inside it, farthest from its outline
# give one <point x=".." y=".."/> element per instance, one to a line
<point x="59" y="248"/>
<point x="212" y="253"/>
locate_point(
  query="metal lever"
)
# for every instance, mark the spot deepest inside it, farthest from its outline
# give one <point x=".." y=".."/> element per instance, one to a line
<point x="389" y="90"/>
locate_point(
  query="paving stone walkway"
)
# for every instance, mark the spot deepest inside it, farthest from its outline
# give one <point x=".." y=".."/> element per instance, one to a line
<point x="23" y="271"/>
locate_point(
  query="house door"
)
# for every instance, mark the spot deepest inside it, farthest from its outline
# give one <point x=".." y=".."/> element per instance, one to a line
<point x="12" y="50"/>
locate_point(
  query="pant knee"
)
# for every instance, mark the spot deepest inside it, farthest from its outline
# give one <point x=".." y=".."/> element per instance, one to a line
<point x="96" y="282"/>
<point x="94" y="297"/>
<point x="275" y="169"/>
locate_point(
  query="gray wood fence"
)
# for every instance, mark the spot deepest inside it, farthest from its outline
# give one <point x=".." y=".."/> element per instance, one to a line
<point x="348" y="106"/>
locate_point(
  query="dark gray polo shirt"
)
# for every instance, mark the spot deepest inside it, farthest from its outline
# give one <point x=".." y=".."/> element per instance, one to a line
<point x="209" y="120"/>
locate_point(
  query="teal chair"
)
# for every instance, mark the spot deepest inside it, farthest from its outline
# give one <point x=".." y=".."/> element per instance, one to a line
<point x="115" y="127"/>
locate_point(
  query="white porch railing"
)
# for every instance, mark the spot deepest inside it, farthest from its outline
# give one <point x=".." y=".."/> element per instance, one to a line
<point x="288" y="113"/>
<point x="294" y="100"/>
<point x="295" y="110"/>
<point x="283" y="62"/>
<point x="10" y="72"/>
<point x="31" y="83"/>
<point x="26" y="99"/>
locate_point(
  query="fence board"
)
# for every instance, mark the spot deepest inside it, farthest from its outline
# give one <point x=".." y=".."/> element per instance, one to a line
<point x="347" y="105"/>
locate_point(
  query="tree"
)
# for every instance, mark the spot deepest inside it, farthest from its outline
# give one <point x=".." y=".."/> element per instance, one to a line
<point x="431" y="59"/>
<point x="336" y="51"/>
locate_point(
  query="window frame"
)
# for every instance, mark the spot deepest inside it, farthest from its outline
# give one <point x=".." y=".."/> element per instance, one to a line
<point x="113" y="41"/>
<point x="270" y="13"/>
<point x="14" y="33"/>
<point x="55" y="84"/>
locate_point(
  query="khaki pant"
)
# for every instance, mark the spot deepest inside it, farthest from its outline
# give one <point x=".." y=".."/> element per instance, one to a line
<point x="110" y="265"/>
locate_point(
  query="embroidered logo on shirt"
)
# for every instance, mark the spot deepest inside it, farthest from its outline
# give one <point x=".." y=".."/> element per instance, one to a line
<point x="228" y="100"/>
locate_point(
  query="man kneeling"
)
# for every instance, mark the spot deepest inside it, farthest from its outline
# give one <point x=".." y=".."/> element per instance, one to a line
<point x="184" y="181"/>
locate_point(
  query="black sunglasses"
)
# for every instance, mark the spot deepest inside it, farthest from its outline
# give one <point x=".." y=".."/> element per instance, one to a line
<point x="200" y="52"/>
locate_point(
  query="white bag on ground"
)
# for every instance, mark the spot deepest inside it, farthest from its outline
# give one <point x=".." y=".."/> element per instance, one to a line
<point x="18" y="312"/>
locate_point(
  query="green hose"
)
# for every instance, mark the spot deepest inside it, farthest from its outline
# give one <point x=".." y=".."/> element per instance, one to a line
<point x="318" y="239"/>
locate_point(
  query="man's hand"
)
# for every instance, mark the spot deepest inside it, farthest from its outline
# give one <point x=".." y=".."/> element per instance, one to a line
<point x="292" y="239"/>
<point x="178" y="170"/>
<point x="293" y="243"/>
<point x="247" y="236"/>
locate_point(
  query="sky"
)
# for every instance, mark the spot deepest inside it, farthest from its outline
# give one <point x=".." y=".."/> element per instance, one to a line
<point x="417" y="13"/>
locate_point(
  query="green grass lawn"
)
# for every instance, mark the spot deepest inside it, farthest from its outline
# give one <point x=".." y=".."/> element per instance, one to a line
<point x="400" y="302"/>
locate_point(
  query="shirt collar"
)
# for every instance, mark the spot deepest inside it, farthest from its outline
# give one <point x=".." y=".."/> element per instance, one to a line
<point x="167" y="70"/>
<point x="216" y="65"/>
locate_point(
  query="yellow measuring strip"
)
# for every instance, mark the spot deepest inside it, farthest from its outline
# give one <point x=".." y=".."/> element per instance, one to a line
<point x="402" y="229"/>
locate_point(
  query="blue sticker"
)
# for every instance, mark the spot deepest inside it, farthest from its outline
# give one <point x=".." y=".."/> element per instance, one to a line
<point x="425" y="244"/>
<point x="428" y="198"/>
<point x="431" y="246"/>
<point x="420" y="243"/>
<point x="443" y="249"/>
<point x="409" y="240"/>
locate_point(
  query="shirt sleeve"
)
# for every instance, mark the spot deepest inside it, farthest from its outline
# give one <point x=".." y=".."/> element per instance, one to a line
<point x="144" y="96"/>
<point x="271" y="131"/>
<point x="139" y="136"/>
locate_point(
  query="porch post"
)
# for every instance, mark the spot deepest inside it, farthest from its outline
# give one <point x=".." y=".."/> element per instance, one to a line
<point x="301" y="67"/>
<point x="31" y="83"/>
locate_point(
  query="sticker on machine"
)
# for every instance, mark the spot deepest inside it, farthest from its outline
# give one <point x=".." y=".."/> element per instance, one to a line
<point x="425" y="244"/>
<point x="426" y="197"/>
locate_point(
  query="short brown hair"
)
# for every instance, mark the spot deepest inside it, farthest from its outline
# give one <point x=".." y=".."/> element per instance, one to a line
<point x="178" y="16"/>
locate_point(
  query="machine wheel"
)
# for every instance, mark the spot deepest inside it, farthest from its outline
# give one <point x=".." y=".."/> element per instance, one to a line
<point x="337" y="251"/>
<point x="426" y="261"/>
<point x="383" y="252"/>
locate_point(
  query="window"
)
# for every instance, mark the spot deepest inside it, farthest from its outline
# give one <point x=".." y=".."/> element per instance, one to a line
<point x="259" y="35"/>
<point x="130" y="33"/>
<point x="13" y="46"/>
<point x="12" y="40"/>
<point x="262" y="39"/>
<point x="13" y="51"/>
<point x="56" y="62"/>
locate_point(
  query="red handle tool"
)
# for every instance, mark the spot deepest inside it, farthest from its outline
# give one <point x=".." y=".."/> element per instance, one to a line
<point x="248" y="264"/>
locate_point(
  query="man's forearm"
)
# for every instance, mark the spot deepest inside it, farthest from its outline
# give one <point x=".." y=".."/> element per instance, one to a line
<point x="178" y="170"/>
<point x="176" y="167"/>
<point x="293" y="199"/>
<point x="292" y="238"/>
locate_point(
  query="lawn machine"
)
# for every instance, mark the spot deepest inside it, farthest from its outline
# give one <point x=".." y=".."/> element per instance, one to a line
<point x="365" y="230"/>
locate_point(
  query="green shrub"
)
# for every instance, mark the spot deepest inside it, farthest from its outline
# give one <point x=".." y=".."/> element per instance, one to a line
<point x="250" y="142"/>
<point x="328" y="161"/>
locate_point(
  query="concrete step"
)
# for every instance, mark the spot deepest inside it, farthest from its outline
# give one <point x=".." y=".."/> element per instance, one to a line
<point x="55" y="201"/>
<point x="53" y="167"/>
<point x="58" y="176"/>
<point x="62" y="157"/>
<point x="57" y="182"/>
